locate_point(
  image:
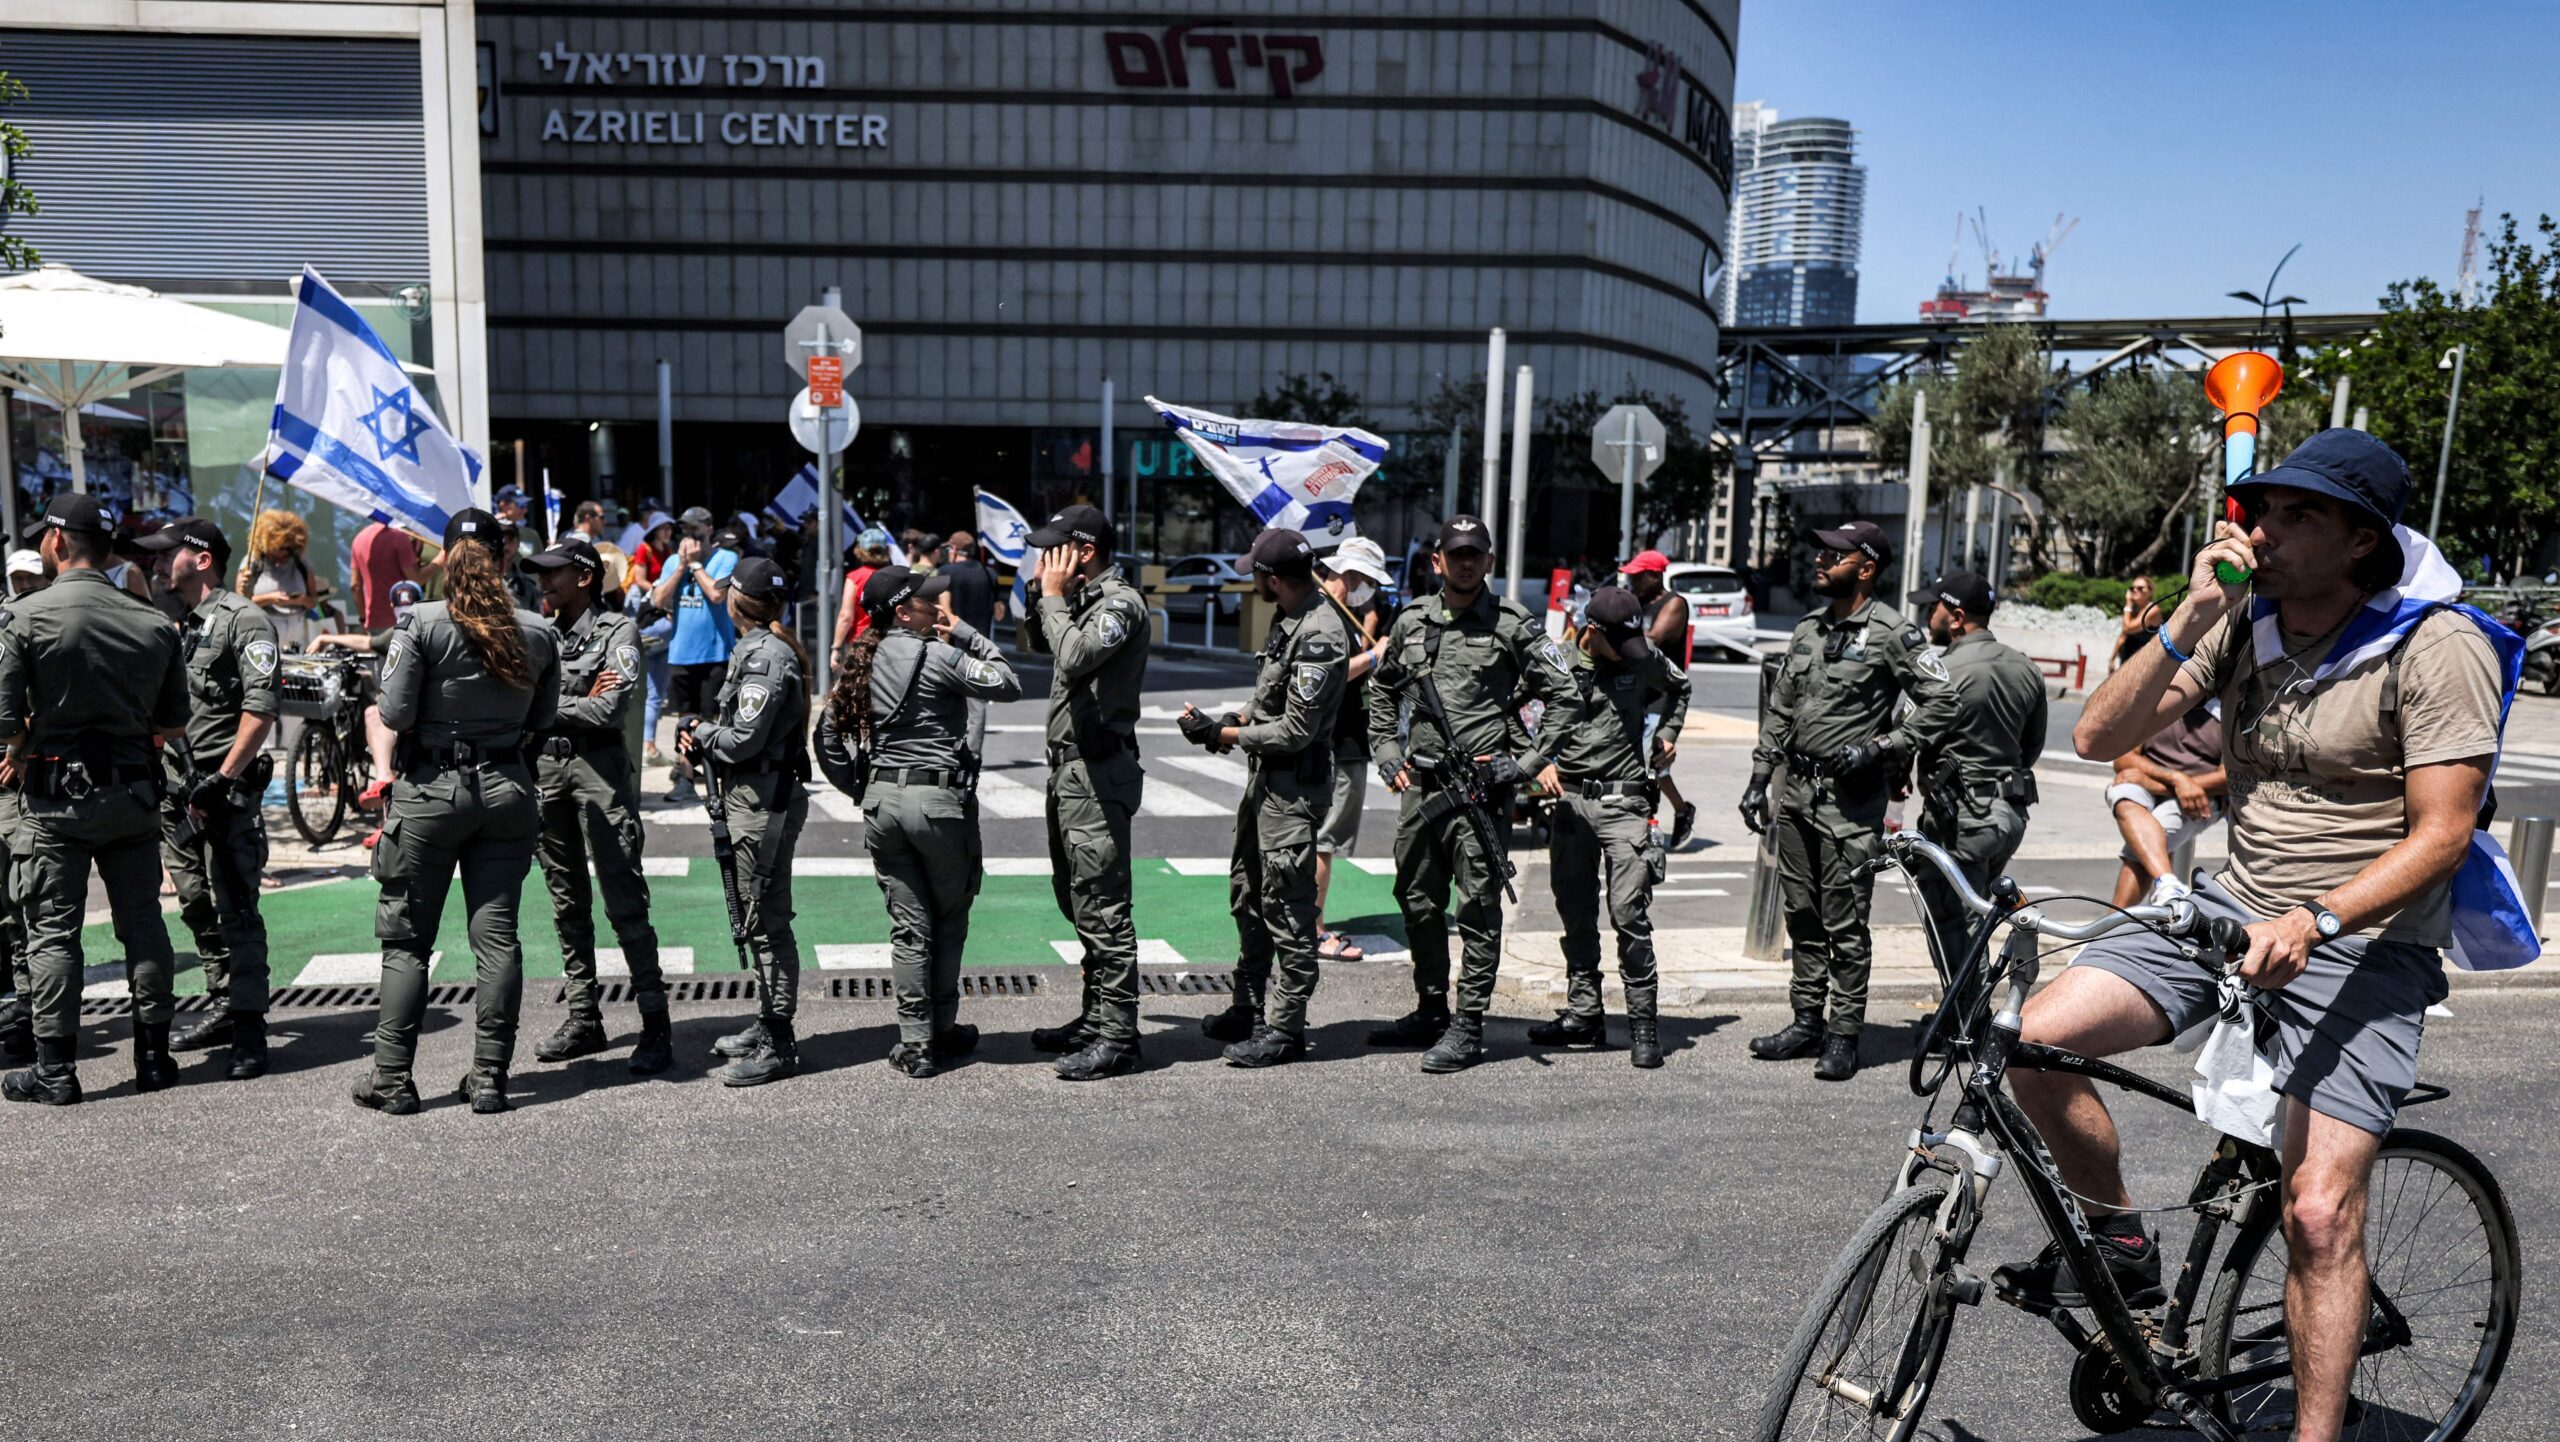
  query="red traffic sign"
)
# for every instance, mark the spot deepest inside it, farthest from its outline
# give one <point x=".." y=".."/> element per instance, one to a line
<point x="826" y="381"/>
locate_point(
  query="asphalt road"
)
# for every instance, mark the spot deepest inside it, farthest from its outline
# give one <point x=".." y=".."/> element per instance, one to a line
<point x="1552" y="1247"/>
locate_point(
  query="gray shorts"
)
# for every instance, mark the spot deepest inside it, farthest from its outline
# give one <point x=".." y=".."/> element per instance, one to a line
<point x="1341" y="828"/>
<point x="2345" y="1041"/>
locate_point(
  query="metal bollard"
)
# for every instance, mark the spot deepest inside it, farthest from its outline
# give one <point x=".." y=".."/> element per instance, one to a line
<point x="2529" y="848"/>
<point x="1760" y="927"/>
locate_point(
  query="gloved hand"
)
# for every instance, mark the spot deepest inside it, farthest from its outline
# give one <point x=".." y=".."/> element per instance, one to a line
<point x="1857" y="758"/>
<point x="1755" y="805"/>
<point x="1503" y="771"/>
<point x="1198" y="727"/>
<point x="214" y="794"/>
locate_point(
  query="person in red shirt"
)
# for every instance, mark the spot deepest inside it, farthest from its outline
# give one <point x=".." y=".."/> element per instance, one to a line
<point x="870" y="553"/>
<point x="1666" y="629"/>
<point x="385" y="556"/>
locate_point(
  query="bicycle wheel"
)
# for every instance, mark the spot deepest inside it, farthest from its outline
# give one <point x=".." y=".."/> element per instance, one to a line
<point x="2441" y="1249"/>
<point x="1863" y="1359"/>
<point x="313" y="792"/>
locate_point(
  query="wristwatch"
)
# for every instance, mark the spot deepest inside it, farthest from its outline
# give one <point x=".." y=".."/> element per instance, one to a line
<point x="2324" y="921"/>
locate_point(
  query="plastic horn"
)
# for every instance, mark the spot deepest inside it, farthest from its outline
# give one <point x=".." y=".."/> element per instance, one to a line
<point x="2240" y="385"/>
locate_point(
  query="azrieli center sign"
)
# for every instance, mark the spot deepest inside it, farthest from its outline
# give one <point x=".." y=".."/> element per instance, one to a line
<point x="748" y="129"/>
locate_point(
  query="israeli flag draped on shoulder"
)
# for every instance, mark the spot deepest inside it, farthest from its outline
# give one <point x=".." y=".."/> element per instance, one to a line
<point x="1288" y="473"/>
<point x="2492" y="930"/>
<point x="351" y="428"/>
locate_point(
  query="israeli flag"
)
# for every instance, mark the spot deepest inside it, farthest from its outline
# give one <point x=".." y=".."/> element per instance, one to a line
<point x="1001" y="530"/>
<point x="793" y="502"/>
<point x="1289" y="474"/>
<point x="2492" y="930"/>
<point x="351" y="429"/>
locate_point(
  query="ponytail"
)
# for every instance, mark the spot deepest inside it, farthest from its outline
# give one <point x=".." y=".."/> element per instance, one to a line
<point x="766" y="615"/>
<point x="481" y="605"/>
<point x="849" y="700"/>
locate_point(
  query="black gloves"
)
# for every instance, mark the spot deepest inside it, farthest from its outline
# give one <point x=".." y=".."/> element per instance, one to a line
<point x="1755" y="805"/>
<point x="1857" y="758"/>
<point x="1198" y="727"/>
<point x="1503" y="771"/>
<point x="214" y="794"/>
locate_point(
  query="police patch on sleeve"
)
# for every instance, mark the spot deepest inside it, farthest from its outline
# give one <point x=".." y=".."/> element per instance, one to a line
<point x="1307" y="681"/>
<point x="260" y="657"/>
<point x="1322" y="648"/>
<point x="1914" y="637"/>
<point x="751" y="703"/>
<point x="981" y="671"/>
<point x="1930" y="666"/>
<point x="1553" y="655"/>
<point x="626" y="661"/>
<point x="1111" y="627"/>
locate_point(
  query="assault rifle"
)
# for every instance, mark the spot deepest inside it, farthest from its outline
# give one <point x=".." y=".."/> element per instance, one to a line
<point x="1465" y="780"/>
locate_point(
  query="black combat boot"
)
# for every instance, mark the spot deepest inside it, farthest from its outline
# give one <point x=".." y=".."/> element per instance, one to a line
<point x="391" y="1095"/>
<point x="1075" y="1036"/>
<point x="485" y="1090"/>
<point x="914" y="1058"/>
<point x="578" y="1036"/>
<point x="50" y="1082"/>
<point x="153" y="1068"/>
<point x="17" y="1029"/>
<point x="1569" y="1030"/>
<point x="955" y="1041"/>
<point x="1104" y="1056"/>
<point x="1268" y="1046"/>
<point x="1644" y="1042"/>
<point x="655" y="1051"/>
<point x="740" y="1043"/>
<point x="1243" y="1014"/>
<point x="1419" y="1027"/>
<point x="1458" y="1048"/>
<point x="248" y="1047"/>
<point x="1839" y="1058"/>
<point x="777" y="1058"/>
<point x="1799" y="1038"/>
<point x="211" y="1027"/>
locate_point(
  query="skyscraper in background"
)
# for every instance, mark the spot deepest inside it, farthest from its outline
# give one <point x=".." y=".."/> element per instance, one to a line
<point x="1799" y="206"/>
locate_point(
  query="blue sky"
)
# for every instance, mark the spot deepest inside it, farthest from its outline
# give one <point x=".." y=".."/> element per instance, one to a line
<point x="2195" y="142"/>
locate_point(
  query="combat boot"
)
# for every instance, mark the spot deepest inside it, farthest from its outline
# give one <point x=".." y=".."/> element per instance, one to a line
<point x="655" y="1051"/>
<point x="17" y="1030"/>
<point x="952" y="1042"/>
<point x="913" y="1058"/>
<point x="1075" y="1036"/>
<point x="1568" y="1030"/>
<point x="1644" y="1042"/>
<point x="1799" y="1038"/>
<point x="1268" y="1046"/>
<point x="1237" y="1022"/>
<point x="485" y="1090"/>
<point x="211" y="1027"/>
<point x="777" y="1058"/>
<point x="578" y="1036"/>
<point x="740" y="1043"/>
<point x="248" y="1047"/>
<point x="393" y="1096"/>
<point x="153" y="1068"/>
<point x="1839" y="1058"/>
<point x="1458" y="1048"/>
<point x="1419" y="1027"/>
<point x="50" y="1082"/>
<point x="1104" y="1056"/>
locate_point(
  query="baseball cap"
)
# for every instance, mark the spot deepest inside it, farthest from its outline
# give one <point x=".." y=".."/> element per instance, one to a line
<point x="25" y="563"/>
<point x="473" y="523"/>
<point x="1465" y="533"/>
<point x="1863" y="536"/>
<point x="1964" y="590"/>
<point x="1618" y="615"/>
<point x="1645" y="561"/>
<point x="885" y="588"/>
<point x="567" y="551"/>
<point x="194" y="532"/>
<point x="760" y="577"/>
<point x="1082" y="524"/>
<point x="513" y="493"/>
<point x="1279" y="552"/>
<point x="873" y="538"/>
<point x="73" y="511"/>
<point x="1359" y="556"/>
<point x="696" y="516"/>
<point x="2352" y="466"/>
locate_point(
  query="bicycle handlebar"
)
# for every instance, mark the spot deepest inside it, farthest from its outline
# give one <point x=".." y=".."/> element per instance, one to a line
<point x="2179" y="918"/>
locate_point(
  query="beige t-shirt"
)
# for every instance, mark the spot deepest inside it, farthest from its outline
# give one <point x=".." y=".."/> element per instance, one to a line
<point x="2318" y="777"/>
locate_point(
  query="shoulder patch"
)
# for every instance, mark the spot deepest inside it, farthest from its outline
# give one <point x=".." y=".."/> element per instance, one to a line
<point x="1110" y="626"/>
<point x="751" y="664"/>
<point x="979" y="669"/>
<point x="1321" y="646"/>
<point x="751" y="703"/>
<point x="626" y="661"/>
<point x="1929" y="663"/>
<point x="1553" y="655"/>
<point x="1306" y="680"/>
<point x="260" y="657"/>
<point x="1914" y="637"/>
<point x="7" y="616"/>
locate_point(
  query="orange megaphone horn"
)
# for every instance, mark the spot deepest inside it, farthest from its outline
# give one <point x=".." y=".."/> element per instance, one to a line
<point x="2240" y="385"/>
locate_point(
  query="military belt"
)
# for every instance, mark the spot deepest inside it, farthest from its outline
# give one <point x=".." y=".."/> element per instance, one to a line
<point x="579" y="743"/>
<point x="1594" y="790"/>
<point x="1112" y="744"/>
<point x="954" y="780"/>
<point x="463" y="755"/>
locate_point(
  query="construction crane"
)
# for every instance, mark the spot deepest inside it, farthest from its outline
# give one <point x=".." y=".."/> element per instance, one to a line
<point x="1955" y="248"/>
<point x="2466" y="278"/>
<point x="2053" y="239"/>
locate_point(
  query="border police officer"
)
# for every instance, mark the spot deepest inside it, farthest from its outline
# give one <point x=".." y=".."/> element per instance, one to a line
<point x="895" y="736"/>
<point x="1287" y="736"/>
<point x="211" y="832"/>
<point x="89" y="674"/>
<point x="1093" y="624"/>
<point x="1601" y="830"/>
<point x="1830" y="720"/>
<point x="1977" y="778"/>
<point x="466" y="683"/>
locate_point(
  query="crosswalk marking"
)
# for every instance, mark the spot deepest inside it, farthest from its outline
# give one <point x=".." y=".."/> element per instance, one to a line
<point x="836" y="805"/>
<point x="1198" y="865"/>
<point x="666" y="866"/>
<point x="831" y="866"/>
<point x="350" y="968"/>
<point x="673" y="960"/>
<point x="1696" y="891"/>
<point x="1152" y="951"/>
<point x="1224" y="768"/>
<point x="857" y="956"/>
<point x="1017" y="866"/>
<point x="1001" y="795"/>
<point x="1163" y="798"/>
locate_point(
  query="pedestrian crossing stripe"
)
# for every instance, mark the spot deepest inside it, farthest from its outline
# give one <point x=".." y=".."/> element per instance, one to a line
<point x="1152" y="951"/>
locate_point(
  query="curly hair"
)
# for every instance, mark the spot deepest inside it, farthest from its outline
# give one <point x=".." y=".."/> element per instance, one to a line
<point x="277" y="534"/>
<point x="849" y="700"/>
<point x="477" y="597"/>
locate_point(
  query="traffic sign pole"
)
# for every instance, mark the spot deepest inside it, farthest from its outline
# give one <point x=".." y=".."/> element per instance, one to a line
<point x="1627" y="490"/>
<point x="823" y="344"/>
<point x="828" y="520"/>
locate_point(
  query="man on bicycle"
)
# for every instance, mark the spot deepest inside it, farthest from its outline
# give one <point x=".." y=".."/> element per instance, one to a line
<point x="2358" y="744"/>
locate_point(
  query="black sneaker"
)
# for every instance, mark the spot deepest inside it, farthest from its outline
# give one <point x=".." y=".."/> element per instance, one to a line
<point x="1839" y="1058"/>
<point x="1419" y="1027"/>
<point x="1684" y="824"/>
<point x="2045" y="1282"/>
<point x="578" y="1036"/>
<point x="1571" y="1031"/>
<point x="1074" y="1036"/>
<point x="776" y="1058"/>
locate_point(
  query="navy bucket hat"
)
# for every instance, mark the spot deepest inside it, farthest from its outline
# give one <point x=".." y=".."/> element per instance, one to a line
<point x="2355" y="468"/>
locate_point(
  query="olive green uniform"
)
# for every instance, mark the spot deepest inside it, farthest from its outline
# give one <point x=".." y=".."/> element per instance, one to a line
<point x="1977" y="777"/>
<point x="1287" y="739"/>
<point x="17" y="1024"/>
<point x="1098" y="640"/>
<point x="920" y="806"/>
<point x="87" y="674"/>
<point x="229" y="645"/>
<point x="590" y="804"/>
<point x="1601" y="834"/>
<point x="760" y="759"/>
<point x="1489" y="659"/>
<point x="463" y="801"/>
<point x="1837" y="687"/>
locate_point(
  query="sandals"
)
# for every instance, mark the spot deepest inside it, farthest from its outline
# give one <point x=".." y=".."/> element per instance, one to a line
<point x="1334" y="946"/>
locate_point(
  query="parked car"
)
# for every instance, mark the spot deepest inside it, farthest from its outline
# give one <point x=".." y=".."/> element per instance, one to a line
<point x="1720" y="619"/>
<point x="1206" y="571"/>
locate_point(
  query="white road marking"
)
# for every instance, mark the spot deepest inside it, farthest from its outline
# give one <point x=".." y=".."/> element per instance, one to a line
<point x="1003" y="796"/>
<point x="1697" y="891"/>
<point x="1224" y="768"/>
<point x="673" y="960"/>
<point x="1017" y="866"/>
<point x="666" y="866"/>
<point x="1152" y="951"/>
<point x="1198" y="865"/>
<point x="350" y="968"/>
<point x="831" y="866"/>
<point x="836" y="805"/>
<point x="860" y="956"/>
<point x="1163" y="798"/>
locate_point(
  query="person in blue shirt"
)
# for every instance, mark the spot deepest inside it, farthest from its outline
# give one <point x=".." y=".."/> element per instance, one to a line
<point x="694" y="586"/>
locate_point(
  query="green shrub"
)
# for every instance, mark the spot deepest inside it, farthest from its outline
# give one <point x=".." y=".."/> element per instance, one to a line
<point x="2057" y="589"/>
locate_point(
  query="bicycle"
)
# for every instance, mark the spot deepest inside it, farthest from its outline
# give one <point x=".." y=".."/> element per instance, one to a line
<point x="2440" y="1243"/>
<point x="330" y="765"/>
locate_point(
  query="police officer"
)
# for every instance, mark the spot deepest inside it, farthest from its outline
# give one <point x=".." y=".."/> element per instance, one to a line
<point x="1286" y="735"/>
<point x="590" y="799"/>
<point x="1829" y="720"/>
<point x="211" y="834"/>
<point x="1601" y="830"/>
<point x="1977" y="777"/>
<point x="756" y="744"/>
<point x="88" y="675"/>
<point x="1487" y="658"/>
<point x="895" y="736"/>
<point x="468" y="683"/>
<point x="1093" y="625"/>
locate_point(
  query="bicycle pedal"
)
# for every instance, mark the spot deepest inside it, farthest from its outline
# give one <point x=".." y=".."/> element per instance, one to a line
<point x="1966" y="1287"/>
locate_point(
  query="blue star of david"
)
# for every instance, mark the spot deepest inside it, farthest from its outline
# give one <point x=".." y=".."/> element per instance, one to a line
<point x="1265" y="463"/>
<point x="395" y="427"/>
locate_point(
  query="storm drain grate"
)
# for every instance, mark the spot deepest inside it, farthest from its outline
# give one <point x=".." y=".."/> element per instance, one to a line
<point x="981" y="983"/>
<point x="340" y="997"/>
<point x="1188" y="983"/>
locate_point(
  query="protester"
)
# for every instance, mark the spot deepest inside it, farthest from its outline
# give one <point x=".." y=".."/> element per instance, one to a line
<point x="378" y="738"/>
<point x="26" y="573"/>
<point x="649" y="556"/>
<point x="587" y="523"/>
<point x="2139" y="625"/>
<point x="974" y="596"/>
<point x="1351" y="576"/>
<point x="2167" y="792"/>
<point x="385" y="555"/>
<point x="651" y="508"/>
<point x="870" y="553"/>
<point x="275" y="575"/>
<point x="130" y="570"/>
<point x="694" y="586"/>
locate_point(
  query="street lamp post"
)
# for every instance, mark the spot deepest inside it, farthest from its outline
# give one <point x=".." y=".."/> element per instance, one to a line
<point x="2444" y="454"/>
